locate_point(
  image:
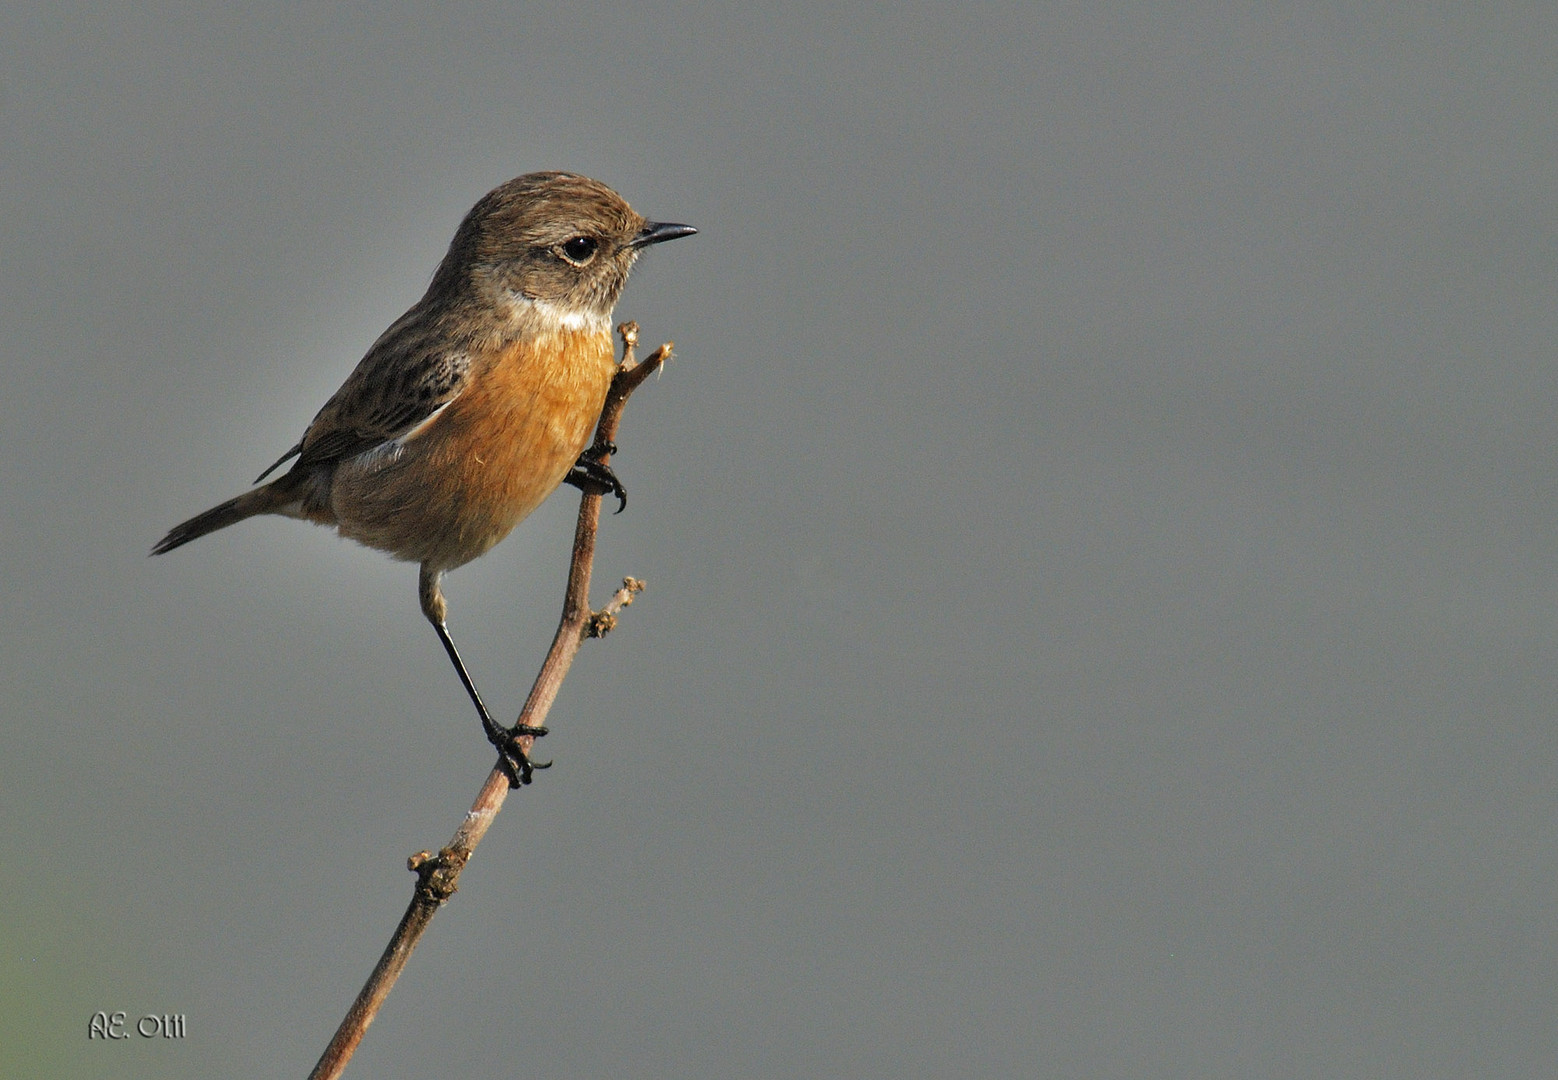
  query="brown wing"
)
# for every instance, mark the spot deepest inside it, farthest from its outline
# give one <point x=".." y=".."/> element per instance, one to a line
<point x="407" y="377"/>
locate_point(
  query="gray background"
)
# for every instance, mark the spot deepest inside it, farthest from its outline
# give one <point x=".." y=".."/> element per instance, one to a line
<point x="1100" y="530"/>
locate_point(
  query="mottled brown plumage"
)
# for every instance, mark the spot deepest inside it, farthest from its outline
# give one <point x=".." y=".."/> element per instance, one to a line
<point x="476" y="403"/>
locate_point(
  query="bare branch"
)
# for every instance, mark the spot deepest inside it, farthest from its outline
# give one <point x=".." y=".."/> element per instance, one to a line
<point x="438" y="875"/>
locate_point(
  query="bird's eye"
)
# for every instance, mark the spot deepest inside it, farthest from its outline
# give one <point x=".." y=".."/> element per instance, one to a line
<point x="579" y="250"/>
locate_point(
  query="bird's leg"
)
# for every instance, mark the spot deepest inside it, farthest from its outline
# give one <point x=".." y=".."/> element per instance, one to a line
<point x="516" y="763"/>
<point x="593" y="476"/>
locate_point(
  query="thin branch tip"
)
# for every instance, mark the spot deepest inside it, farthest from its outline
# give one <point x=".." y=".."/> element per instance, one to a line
<point x="604" y="621"/>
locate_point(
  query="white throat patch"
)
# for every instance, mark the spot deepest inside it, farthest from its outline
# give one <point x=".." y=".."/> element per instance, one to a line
<point x="556" y="317"/>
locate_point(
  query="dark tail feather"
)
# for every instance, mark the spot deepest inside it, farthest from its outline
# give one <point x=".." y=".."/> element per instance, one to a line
<point x="260" y="501"/>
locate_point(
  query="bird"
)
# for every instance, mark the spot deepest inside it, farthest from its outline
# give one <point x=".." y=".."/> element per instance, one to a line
<point x="475" y="404"/>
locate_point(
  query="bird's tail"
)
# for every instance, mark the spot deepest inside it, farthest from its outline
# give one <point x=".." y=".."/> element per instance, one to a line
<point x="268" y="499"/>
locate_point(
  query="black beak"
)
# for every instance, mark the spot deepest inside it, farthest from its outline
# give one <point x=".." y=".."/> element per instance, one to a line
<point x="657" y="232"/>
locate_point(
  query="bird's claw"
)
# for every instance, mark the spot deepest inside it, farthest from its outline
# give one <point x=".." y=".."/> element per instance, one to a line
<point x="592" y="475"/>
<point x="512" y="758"/>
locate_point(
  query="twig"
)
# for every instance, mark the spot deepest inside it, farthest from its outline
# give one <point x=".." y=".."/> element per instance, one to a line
<point x="438" y="875"/>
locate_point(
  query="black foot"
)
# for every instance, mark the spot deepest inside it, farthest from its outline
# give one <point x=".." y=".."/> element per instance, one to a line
<point x="516" y="763"/>
<point x="592" y="475"/>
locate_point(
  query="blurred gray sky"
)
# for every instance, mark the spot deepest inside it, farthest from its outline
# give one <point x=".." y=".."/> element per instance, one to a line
<point x="1099" y="525"/>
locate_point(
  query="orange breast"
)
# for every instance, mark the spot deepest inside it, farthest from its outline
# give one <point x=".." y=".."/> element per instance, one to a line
<point x="499" y="448"/>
